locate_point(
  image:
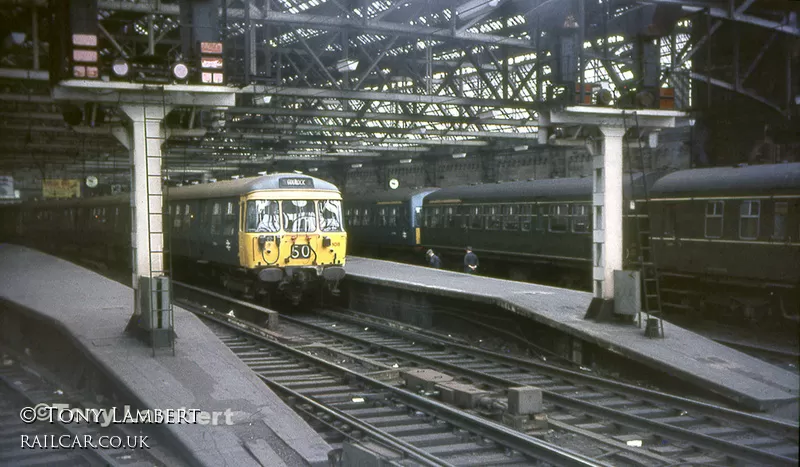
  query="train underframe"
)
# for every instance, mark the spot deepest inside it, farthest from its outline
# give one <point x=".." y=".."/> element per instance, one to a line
<point x="295" y="285"/>
<point x="734" y="301"/>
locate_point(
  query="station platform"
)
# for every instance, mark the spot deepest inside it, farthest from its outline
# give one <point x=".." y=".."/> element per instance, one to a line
<point x="92" y="311"/>
<point x="682" y="353"/>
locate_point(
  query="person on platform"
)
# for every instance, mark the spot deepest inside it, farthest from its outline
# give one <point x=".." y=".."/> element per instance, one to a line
<point x="433" y="260"/>
<point x="471" y="262"/>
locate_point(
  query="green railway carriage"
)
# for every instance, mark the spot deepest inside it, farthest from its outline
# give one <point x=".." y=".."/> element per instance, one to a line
<point x="280" y="233"/>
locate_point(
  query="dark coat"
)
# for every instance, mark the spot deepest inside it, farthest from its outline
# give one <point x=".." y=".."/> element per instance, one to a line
<point x="435" y="262"/>
<point x="471" y="259"/>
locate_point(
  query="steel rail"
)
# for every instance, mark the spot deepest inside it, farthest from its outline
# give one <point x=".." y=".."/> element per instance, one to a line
<point x="502" y="435"/>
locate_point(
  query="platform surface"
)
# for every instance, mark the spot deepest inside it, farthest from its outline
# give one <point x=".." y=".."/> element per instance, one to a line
<point x="683" y="354"/>
<point x="204" y="374"/>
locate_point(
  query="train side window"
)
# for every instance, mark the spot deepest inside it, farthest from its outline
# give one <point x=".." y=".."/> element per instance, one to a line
<point x="230" y="220"/>
<point x="381" y="220"/>
<point x="216" y="219"/>
<point x="525" y="217"/>
<point x="714" y="218"/>
<point x="436" y="217"/>
<point x="781" y="214"/>
<point x="187" y="217"/>
<point x="510" y="220"/>
<point x="393" y="216"/>
<point x="541" y="217"/>
<point x="493" y="219"/>
<point x="670" y="220"/>
<point x="451" y="217"/>
<point x="475" y="218"/>
<point x="366" y="219"/>
<point x="580" y="218"/>
<point x="559" y="218"/>
<point x="176" y="223"/>
<point x="356" y="217"/>
<point x="749" y="219"/>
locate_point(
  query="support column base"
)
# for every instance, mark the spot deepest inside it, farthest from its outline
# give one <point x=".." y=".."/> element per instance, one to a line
<point x="156" y="338"/>
<point x="602" y="311"/>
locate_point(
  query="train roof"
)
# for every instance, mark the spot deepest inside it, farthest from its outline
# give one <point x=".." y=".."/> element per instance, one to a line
<point x="561" y="188"/>
<point x="243" y="186"/>
<point x="400" y="194"/>
<point x="772" y="179"/>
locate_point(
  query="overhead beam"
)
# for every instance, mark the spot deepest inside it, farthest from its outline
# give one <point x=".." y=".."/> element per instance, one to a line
<point x="387" y="96"/>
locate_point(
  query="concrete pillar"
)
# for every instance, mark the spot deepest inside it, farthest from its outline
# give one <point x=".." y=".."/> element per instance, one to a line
<point x="146" y="136"/>
<point x="607" y="212"/>
<point x="544" y="128"/>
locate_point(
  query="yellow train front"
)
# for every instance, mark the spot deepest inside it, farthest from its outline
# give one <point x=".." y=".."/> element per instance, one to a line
<point x="275" y="234"/>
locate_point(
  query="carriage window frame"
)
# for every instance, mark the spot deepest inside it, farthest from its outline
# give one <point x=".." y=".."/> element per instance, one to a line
<point x="670" y="220"/>
<point x="187" y="217"/>
<point x="177" y="219"/>
<point x="493" y="218"/>
<point x="559" y="214"/>
<point x="216" y="218"/>
<point x="578" y="212"/>
<point x="525" y="217"/>
<point x="382" y="221"/>
<point x="510" y="213"/>
<point x="542" y="216"/>
<point x="450" y="217"/>
<point x="746" y="216"/>
<point x="476" y="218"/>
<point x="229" y="228"/>
<point x="366" y="220"/>
<point x="780" y="222"/>
<point x="393" y="216"/>
<point x="717" y="213"/>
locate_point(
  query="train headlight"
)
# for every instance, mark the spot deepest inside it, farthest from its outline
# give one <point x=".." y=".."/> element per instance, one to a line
<point x="120" y="68"/>
<point x="180" y="70"/>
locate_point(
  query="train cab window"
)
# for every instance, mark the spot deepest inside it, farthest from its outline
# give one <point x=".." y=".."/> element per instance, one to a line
<point x="714" y="218"/>
<point x="559" y="218"/>
<point x="475" y="218"/>
<point x="580" y="218"/>
<point x="525" y="217"/>
<point x="177" y="218"/>
<point x="510" y="220"/>
<point x="493" y="218"/>
<point x="299" y="216"/>
<point x="749" y="217"/>
<point x="330" y="215"/>
<point x="393" y="216"/>
<point x="262" y="216"/>
<point x="216" y="219"/>
<point x="670" y="220"/>
<point x="781" y="214"/>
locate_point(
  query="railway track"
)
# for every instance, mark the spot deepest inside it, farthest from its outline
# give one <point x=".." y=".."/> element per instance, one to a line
<point x="61" y="444"/>
<point x="394" y="424"/>
<point x="667" y="426"/>
<point x="637" y="426"/>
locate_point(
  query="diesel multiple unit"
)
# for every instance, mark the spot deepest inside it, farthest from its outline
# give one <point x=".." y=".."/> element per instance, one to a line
<point x="279" y="232"/>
